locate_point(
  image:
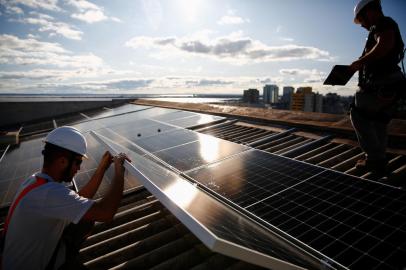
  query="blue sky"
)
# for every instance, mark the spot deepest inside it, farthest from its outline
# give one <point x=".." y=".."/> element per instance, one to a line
<point x="177" y="46"/>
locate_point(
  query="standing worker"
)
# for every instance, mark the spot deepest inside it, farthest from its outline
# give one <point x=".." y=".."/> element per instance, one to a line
<point x="47" y="222"/>
<point x="380" y="80"/>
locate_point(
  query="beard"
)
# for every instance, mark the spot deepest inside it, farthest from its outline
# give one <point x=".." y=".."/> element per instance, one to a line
<point x="68" y="178"/>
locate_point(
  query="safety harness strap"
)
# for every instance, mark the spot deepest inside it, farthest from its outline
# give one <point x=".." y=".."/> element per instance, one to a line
<point x="40" y="181"/>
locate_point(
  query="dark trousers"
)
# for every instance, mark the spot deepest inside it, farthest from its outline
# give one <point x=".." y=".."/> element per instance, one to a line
<point x="371" y="135"/>
<point x="73" y="237"/>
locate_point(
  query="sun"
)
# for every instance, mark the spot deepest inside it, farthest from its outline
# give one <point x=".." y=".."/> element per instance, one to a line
<point x="190" y="9"/>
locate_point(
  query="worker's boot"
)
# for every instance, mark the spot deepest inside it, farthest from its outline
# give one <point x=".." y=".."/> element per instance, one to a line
<point x="378" y="166"/>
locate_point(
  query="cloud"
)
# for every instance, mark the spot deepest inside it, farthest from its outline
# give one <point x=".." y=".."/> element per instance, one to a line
<point x="18" y="51"/>
<point x="233" y="48"/>
<point x="59" y="74"/>
<point x="227" y="19"/>
<point x="288" y="39"/>
<point x="207" y="82"/>
<point x="12" y="5"/>
<point x="231" y="18"/>
<point x="44" y="82"/>
<point x="48" y="24"/>
<point x="308" y="75"/>
<point x="12" y="9"/>
<point x="89" y="12"/>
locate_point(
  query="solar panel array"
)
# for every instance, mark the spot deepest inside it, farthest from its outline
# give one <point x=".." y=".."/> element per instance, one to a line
<point x="359" y="224"/>
<point x="132" y="121"/>
<point x="220" y="228"/>
<point x="340" y="219"/>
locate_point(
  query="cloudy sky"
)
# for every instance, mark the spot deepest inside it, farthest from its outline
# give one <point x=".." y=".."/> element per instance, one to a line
<point x="177" y="46"/>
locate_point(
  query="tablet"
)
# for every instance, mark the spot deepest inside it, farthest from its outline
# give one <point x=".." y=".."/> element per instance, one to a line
<point x="339" y="75"/>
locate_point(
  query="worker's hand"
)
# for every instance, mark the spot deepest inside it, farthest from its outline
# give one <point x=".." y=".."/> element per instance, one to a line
<point x="356" y="65"/>
<point x="119" y="163"/>
<point x="106" y="160"/>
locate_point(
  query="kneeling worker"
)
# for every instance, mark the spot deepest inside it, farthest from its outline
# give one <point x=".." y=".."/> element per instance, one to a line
<point x="47" y="221"/>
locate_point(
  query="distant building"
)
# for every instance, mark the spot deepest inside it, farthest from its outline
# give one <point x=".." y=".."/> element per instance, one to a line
<point x="318" y="102"/>
<point x="251" y="96"/>
<point x="305" y="100"/>
<point x="336" y="104"/>
<point x="298" y="99"/>
<point x="308" y="104"/>
<point x="288" y="90"/>
<point x="270" y="94"/>
<point x="286" y="99"/>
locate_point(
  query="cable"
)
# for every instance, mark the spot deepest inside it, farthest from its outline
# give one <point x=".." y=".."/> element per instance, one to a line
<point x="403" y="59"/>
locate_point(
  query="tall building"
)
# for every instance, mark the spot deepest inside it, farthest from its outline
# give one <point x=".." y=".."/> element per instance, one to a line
<point x="288" y="90"/>
<point x="305" y="100"/>
<point x="318" y="102"/>
<point x="298" y="99"/>
<point x="270" y="94"/>
<point x="251" y="96"/>
<point x="286" y="100"/>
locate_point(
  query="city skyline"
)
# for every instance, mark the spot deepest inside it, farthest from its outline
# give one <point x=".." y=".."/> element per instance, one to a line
<point x="179" y="46"/>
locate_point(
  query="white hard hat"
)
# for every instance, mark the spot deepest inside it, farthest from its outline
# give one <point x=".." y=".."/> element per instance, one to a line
<point x="357" y="9"/>
<point x="68" y="138"/>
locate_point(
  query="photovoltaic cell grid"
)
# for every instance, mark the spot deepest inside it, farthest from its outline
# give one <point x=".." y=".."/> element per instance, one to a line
<point x="187" y="119"/>
<point x="17" y="165"/>
<point x="198" y="153"/>
<point x="95" y="153"/>
<point x="20" y="162"/>
<point x="359" y="224"/>
<point x="218" y="219"/>
<point x="37" y="127"/>
<point x="106" y="111"/>
<point x="70" y="119"/>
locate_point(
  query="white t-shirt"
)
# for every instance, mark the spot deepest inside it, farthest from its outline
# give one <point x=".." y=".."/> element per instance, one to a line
<point x="38" y="222"/>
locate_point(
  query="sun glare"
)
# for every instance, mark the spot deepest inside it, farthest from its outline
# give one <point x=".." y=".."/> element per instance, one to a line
<point x="190" y="9"/>
<point x="182" y="193"/>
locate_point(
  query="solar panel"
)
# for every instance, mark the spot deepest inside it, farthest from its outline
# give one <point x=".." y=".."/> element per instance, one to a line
<point x="197" y="119"/>
<point x="139" y="129"/>
<point x="70" y="119"/>
<point x="220" y="228"/>
<point x="173" y="116"/>
<point x="95" y="152"/>
<point x="253" y="176"/>
<point x="19" y="162"/>
<point x="168" y="139"/>
<point x="108" y="112"/>
<point x="359" y="224"/>
<point x="206" y="150"/>
<point x="99" y="112"/>
<point x="37" y="127"/>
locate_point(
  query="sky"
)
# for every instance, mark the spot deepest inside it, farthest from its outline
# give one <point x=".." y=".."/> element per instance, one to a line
<point x="178" y="46"/>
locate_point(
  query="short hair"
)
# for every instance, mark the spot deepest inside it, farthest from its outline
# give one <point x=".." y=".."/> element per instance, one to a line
<point x="52" y="152"/>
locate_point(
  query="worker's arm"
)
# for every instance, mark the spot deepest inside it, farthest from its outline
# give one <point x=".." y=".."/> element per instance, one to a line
<point x="385" y="42"/>
<point x="91" y="187"/>
<point x="105" y="209"/>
